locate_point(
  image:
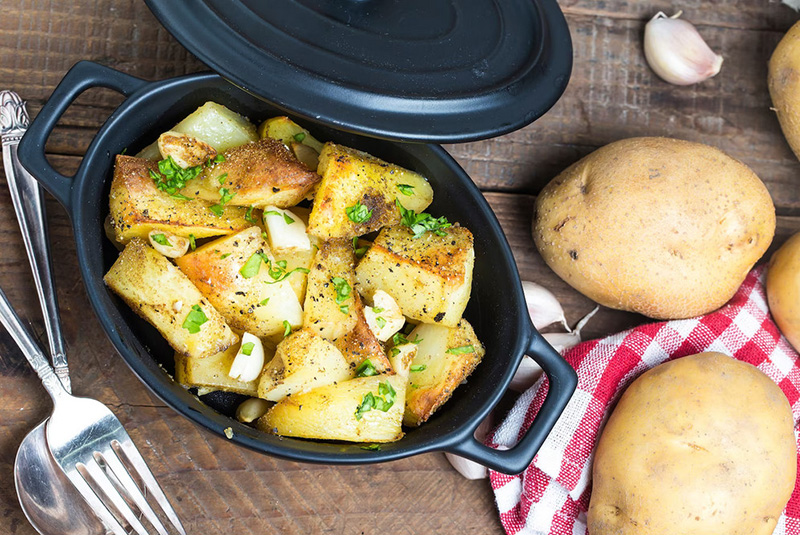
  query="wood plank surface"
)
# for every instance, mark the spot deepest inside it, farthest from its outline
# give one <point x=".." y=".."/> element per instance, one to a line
<point x="221" y="489"/>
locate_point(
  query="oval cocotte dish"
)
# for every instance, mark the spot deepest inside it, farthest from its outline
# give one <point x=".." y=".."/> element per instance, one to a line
<point x="659" y="226"/>
<point x="497" y="308"/>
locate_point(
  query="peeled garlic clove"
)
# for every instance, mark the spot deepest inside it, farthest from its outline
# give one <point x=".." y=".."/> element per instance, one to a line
<point x="676" y="51"/>
<point x="249" y="361"/>
<point x="384" y="318"/>
<point x="252" y="409"/>
<point x="543" y="306"/>
<point x="167" y="244"/>
<point x="471" y="469"/>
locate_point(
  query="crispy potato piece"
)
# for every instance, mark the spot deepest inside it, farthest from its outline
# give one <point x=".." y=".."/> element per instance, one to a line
<point x="329" y="412"/>
<point x="161" y="294"/>
<point x="329" y="307"/>
<point x="430" y="277"/>
<point x="255" y="304"/>
<point x="137" y="207"/>
<point x="303" y="361"/>
<point x="211" y="123"/>
<point x="185" y="151"/>
<point x="259" y="174"/>
<point x="212" y="372"/>
<point x="350" y="177"/>
<point x="445" y="358"/>
<point x="360" y="343"/>
<point x="287" y="131"/>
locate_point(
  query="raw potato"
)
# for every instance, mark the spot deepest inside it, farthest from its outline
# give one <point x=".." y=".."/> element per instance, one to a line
<point x="329" y="412"/>
<point x="703" y="445"/>
<point x="350" y="177"/>
<point x="783" y="289"/>
<point x="784" y="86"/>
<point x="158" y="291"/>
<point x="430" y="277"/>
<point x="663" y="227"/>
<point x="137" y="207"/>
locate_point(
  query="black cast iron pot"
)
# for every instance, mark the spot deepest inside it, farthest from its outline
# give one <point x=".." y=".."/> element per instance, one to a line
<point x="496" y="310"/>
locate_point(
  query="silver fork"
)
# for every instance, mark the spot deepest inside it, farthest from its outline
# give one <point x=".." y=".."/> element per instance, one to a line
<point x="89" y="443"/>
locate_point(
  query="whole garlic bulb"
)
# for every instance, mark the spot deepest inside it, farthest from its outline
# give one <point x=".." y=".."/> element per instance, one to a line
<point x="676" y="51"/>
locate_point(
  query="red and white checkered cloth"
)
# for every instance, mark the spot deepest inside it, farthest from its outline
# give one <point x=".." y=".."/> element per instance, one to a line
<point x="552" y="495"/>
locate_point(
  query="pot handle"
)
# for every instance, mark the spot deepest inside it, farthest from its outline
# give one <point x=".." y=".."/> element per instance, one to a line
<point x="82" y="76"/>
<point x="562" y="383"/>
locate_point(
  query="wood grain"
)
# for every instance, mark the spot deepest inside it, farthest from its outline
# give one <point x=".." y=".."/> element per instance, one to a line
<point x="221" y="489"/>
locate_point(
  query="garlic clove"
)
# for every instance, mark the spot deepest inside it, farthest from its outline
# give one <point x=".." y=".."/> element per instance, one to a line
<point x="563" y="341"/>
<point x="384" y="318"/>
<point x="252" y="409"/>
<point x="676" y="52"/>
<point x="168" y="244"/>
<point x="249" y="361"/>
<point x="471" y="469"/>
<point x="527" y="373"/>
<point x="286" y="232"/>
<point x="185" y="150"/>
<point x="543" y="306"/>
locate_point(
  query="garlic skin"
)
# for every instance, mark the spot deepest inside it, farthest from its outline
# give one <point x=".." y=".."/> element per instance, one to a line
<point x="543" y="306"/>
<point x="676" y="51"/>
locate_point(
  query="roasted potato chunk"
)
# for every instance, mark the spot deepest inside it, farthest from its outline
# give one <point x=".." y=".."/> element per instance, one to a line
<point x="257" y="174"/>
<point x="329" y="308"/>
<point x="342" y="411"/>
<point x="430" y="277"/>
<point x="358" y="192"/>
<point x="302" y="361"/>
<point x="211" y="123"/>
<point x="137" y="207"/>
<point x="212" y="372"/>
<point x="232" y="273"/>
<point x="158" y="291"/>
<point x="445" y="358"/>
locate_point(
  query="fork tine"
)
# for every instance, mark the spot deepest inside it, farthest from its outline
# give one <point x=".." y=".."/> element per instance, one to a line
<point x="136" y="460"/>
<point x="101" y="479"/>
<point x="132" y="489"/>
<point x="102" y="512"/>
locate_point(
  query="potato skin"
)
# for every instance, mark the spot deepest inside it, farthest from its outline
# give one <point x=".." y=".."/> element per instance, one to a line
<point x="783" y="289"/>
<point x="660" y="226"/>
<point x="784" y="86"/>
<point x="699" y="445"/>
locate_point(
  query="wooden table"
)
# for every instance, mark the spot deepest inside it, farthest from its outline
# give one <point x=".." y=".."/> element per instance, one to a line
<point x="221" y="489"/>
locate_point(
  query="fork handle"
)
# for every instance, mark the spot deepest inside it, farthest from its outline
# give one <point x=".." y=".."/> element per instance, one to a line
<point x="27" y="198"/>
<point x="31" y="350"/>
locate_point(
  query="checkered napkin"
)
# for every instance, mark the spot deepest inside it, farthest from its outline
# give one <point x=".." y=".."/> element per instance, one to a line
<point x="552" y="495"/>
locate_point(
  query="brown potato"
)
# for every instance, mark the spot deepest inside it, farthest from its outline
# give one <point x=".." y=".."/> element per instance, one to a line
<point x="329" y="308"/>
<point x="137" y="206"/>
<point x="257" y="174"/>
<point x="784" y="86"/>
<point x="783" y="289"/>
<point x="212" y="373"/>
<point x="360" y="343"/>
<point x="700" y="445"/>
<point x="663" y="227"/>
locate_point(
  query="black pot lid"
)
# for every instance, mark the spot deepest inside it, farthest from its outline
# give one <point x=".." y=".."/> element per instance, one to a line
<point x="421" y="70"/>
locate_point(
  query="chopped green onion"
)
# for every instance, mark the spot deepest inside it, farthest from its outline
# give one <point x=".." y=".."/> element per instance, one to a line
<point x="406" y="189"/>
<point x="222" y="178"/>
<point x="366" y="369"/>
<point x="299" y="137"/>
<point x="380" y="321"/>
<point x="422" y="223"/>
<point x="372" y="447"/>
<point x="161" y="240"/>
<point x="461" y="350"/>
<point x="192" y="243"/>
<point x="264" y="302"/>
<point x="248" y="216"/>
<point x="359" y="251"/>
<point x="417" y="367"/>
<point x="226" y="255"/>
<point x="194" y="319"/>
<point x="251" y="267"/>
<point x="358" y="213"/>
<point x="287" y="328"/>
<point x="247" y="348"/>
